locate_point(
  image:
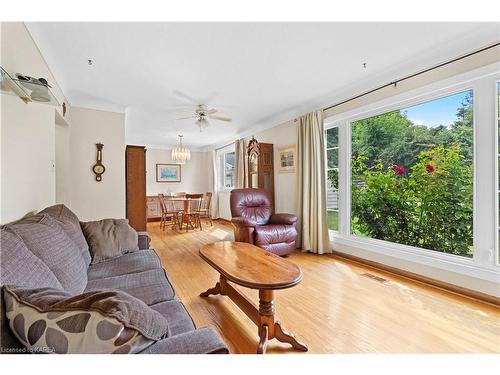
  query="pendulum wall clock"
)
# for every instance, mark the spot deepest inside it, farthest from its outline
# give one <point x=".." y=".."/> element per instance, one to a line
<point x="98" y="168"/>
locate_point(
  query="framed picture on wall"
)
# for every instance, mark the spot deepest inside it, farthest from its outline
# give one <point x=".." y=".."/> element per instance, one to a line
<point x="286" y="159"/>
<point x="168" y="173"/>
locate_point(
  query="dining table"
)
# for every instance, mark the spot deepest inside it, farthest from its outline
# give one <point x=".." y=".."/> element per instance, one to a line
<point x="185" y="200"/>
<point x="186" y="208"/>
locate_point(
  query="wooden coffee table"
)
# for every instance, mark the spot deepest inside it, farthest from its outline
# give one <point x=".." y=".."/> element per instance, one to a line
<point x="252" y="267"/>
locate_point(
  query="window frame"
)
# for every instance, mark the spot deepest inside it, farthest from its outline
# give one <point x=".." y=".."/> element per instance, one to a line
<point x="221" y="170"/>
<point x="482" y="264"/>
<point x="327" y="168"/>
<point x="497" y="173"/>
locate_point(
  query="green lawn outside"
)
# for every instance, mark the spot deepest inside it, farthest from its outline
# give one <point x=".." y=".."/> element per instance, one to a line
<point x="333" y="220"/>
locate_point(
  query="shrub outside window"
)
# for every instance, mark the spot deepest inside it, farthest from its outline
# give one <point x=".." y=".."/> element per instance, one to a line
<point x="412" y="175"/>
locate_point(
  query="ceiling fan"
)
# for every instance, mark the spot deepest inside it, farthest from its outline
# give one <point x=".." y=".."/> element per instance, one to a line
<point x="201" y="113"/>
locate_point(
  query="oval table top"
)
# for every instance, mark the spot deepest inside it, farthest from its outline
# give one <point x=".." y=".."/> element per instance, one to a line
<point x="250" y="266"/>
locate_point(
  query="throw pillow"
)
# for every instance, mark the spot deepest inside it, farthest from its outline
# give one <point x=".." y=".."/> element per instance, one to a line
<point x="107" y="321"/>
<point x="109" y="238"/>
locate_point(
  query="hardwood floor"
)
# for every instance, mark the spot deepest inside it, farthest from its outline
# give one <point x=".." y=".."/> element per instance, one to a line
<point x="335" y="309"/>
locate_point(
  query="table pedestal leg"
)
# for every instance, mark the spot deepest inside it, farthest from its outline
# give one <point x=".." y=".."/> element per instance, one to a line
<point x="212" y="291"/>
<point x="264" y="333"/>
<point x="269" y="329"/>
<point x="284" y="336"/>
<point x="263" y="316"/>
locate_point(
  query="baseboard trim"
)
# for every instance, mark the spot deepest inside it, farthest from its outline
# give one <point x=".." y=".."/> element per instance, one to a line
<point x="469" y="293"/>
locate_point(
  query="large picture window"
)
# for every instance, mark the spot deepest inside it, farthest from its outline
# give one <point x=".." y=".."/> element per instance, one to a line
<point x="412" y="175"/>
<point x="332" y="174"/>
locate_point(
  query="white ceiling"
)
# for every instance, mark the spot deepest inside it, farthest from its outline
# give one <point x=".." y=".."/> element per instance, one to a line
<point x="262" y="73"/>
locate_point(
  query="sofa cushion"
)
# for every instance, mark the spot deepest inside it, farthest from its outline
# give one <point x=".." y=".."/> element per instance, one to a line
<point x="179" y="320"/>
<point x="104" y="321"/>
<point x="109" y="238"/>
<point x="150" y="286"/>
<point x="201" y="341"/>
<point x="71" y="225"/>
<point x="20" y="267"/>
<point x="47" y="240"/>
<point x="137" y="261"/>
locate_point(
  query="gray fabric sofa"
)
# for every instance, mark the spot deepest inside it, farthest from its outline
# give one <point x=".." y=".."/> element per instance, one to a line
<point x="138" y="273"/>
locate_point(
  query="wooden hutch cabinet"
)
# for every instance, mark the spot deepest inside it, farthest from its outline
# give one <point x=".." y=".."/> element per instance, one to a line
<point x="261" y="167"/>
<point x="135" y="182"/>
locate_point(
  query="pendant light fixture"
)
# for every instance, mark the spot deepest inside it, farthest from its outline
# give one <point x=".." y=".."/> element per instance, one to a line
<point x="180" y="154"/>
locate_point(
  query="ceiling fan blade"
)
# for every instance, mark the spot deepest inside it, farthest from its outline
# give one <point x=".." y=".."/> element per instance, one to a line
<point x="213" y="110"/>
<point x="178" y="111"/>
<point x="220" y="118"/>
<point x="185" y="97"/>
<point x="185" y="118"/>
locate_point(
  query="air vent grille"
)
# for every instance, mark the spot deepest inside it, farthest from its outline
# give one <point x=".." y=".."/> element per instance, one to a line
<point x="376" y="278"/>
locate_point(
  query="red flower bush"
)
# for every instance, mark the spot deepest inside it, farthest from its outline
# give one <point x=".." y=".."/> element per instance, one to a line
<point x="399" y="170"/>
<point x="429" y="167"/>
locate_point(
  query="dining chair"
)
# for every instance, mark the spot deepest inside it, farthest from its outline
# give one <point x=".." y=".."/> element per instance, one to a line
<point x="168" y="213"/>
<point x="205" y="211"/>
<point x="191" y="218"/>
<point x="178" y="206"/>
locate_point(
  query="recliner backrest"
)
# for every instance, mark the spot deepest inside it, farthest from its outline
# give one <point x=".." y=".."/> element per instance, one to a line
<point x="251" y="203"/>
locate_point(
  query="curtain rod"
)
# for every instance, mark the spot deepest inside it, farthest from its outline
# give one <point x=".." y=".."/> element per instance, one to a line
<point x="394" y="83"/>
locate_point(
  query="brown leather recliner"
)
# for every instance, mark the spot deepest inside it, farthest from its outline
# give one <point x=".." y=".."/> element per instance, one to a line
<point x="254" y="222"/>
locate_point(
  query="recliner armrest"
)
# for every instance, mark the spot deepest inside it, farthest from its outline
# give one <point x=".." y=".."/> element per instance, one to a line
<point x="243" y="222"/>
<point x="285" y="219"/>
<point x="143" y="240"/>
<point x="200" y="341"/>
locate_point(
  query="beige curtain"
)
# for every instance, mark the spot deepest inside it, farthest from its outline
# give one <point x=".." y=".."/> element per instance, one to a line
<point x="311" y="175"/>
<point x="240" y="157"/>
<point x="215" y="195"/>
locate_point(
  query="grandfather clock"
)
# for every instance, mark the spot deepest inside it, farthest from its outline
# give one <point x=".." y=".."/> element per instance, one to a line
<point x="261" y="166"/>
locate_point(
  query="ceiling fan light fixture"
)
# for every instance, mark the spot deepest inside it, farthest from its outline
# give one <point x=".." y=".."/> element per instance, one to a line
<point x="202" y="123"/>
<point x="181" y="154"/>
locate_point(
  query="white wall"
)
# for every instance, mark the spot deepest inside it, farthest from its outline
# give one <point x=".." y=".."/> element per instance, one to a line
<point x="63" y="162"/>
<point x="224" y="207"/>
<point x="28" y="157"/>
<point x="195" y="174"/>
<point x="92" y="200"/>
<point x="28" y="131"/>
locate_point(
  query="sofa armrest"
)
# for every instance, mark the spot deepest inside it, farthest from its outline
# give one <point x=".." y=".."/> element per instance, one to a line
<point x="143" y="240"/>
<point x="285" y="219"/>
<point x="200" y="341"/>
<point x="241" y="221"/>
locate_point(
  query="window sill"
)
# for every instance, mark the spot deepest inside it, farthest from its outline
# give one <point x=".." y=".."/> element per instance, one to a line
<point x="449" y="268"/>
